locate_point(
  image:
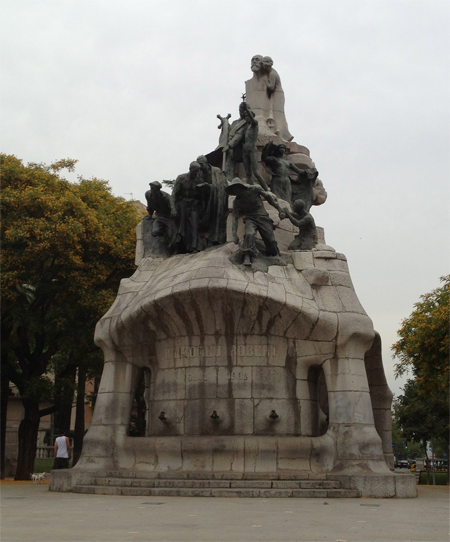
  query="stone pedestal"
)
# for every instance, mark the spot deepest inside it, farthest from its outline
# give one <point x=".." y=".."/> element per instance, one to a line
<point x="212" y="337"/>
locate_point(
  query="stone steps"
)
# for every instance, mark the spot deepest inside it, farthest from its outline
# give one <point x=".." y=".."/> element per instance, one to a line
<point x="185" y="487"/>
<point x="194" y="475"/>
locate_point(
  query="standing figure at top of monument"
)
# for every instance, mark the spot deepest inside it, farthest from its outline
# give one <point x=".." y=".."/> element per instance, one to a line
<point x="190" y="194"/>
<point x="214" y="222"/>
<point x="161" y="203"/>
<point x="232" y="142"/>
<point x="265" y="95"/>
<point x="249" y="154"/>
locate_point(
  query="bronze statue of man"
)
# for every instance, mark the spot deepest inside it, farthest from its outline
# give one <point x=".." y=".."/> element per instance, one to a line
<point x="161" y="205"/>
<point x="281" y="184"/>
<point x="214" y="221"/>
<point x="303" y="187"/>
<point x="249" y="157"/>
<point x="306" y="239"/>
<point x="235" y="142"/>
<point x="248" y="205"/>
<point x="190" y="194"/>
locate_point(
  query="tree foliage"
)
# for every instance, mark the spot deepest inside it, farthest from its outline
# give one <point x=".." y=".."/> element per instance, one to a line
<point x="65" y="247"/>
<point x="423" y="346"/>
<point x="422" y="418"/>
<point x="404" y="448"/>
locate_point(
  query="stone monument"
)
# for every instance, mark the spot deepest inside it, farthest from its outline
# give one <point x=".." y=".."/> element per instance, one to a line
<point x="260" y="371"/>
<point x="265" y="96"/>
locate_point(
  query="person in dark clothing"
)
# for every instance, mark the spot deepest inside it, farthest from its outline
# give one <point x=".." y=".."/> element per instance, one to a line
<point x="249" y="205"/>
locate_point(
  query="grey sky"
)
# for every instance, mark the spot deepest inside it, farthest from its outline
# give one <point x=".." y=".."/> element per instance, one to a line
<point x="132" y="89"/>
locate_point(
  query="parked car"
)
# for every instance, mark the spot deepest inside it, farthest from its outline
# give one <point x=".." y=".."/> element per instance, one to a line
<point x="403" y="464"/>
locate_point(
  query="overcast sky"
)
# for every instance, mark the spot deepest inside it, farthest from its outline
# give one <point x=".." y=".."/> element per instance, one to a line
<point x="131" y="89"/>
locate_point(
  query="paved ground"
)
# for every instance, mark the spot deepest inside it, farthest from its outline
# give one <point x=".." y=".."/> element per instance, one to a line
<point x="32" y="513"/>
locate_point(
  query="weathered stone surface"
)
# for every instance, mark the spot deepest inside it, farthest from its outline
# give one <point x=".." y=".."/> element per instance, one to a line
<point x="355" y="337"/>
<point x="261" y="455"/>
<point x="286" y="485"/>
<point x="305" y="321"/>
<point x="326" y="327"/>
<point x="139" y="244"/>
<point x="242" y="343"/>
<point x="340" y="278"/>
<point x="294" y="456"/>
<point x="321" y="349"/>
<point x="349" y="299"/>
<point x="405" y="487"/>
<point x="259" y="484"/>
<point x="323" y="254"/>
<point x="316" y="277"/>
<point x="319" y="484"/>
<point x="303" y="260"/>
<point x="331" y="264"/>
<point x="254" y="485"/>
<point x="327" y="299"/>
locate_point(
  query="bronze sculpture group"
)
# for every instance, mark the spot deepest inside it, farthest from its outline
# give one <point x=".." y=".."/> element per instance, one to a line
<point x="194" y="216"/>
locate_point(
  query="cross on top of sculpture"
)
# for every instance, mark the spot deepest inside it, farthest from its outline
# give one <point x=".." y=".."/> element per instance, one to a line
<point x="257" y="146"/>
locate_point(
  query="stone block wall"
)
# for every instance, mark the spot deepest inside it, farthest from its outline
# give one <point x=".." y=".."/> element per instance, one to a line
<point x="243" y="343"/>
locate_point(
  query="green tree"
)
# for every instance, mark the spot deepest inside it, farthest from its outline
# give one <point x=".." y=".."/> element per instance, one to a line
<point x="65" y="247"/>
<point x="404" y="448"/>
<point x="423" y="346"/>
<point x="422" y="418"/>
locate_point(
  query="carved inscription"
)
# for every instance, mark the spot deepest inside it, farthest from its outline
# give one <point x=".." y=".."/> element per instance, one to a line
<point x="185" y="352"/>
<point x="203" y="377"/>
<point x="213" y="351"/>
<point x="197" y="378"/>
<point x="237" y="375"/>
<point x="253" y="350"/>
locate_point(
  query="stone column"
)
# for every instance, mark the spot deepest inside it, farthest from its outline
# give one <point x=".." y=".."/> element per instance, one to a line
<point x="113" y="406"/>
<point x="381" y="397"/>
<point x="357" y="444"/>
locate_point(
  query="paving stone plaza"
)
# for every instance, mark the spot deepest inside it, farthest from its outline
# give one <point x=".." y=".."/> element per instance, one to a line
<point x="71" y="517"/>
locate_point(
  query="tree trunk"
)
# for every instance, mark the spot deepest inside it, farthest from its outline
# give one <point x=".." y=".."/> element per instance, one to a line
<point x="28" y="433"/>
<point x="79" y="417"/>
<point x="448" y="465"/>
<point x="4" y="411"/>
<point x="65" y="400"/>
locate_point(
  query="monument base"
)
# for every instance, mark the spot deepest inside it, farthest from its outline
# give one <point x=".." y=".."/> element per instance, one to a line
<point x="233" y="484"/>
<point x="256" y="384"/>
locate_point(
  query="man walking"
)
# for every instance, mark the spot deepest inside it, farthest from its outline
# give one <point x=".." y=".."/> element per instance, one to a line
<point x="62" y="452"/>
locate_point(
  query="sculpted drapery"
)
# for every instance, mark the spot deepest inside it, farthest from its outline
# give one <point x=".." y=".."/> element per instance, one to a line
<point x="265" y="95"/>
